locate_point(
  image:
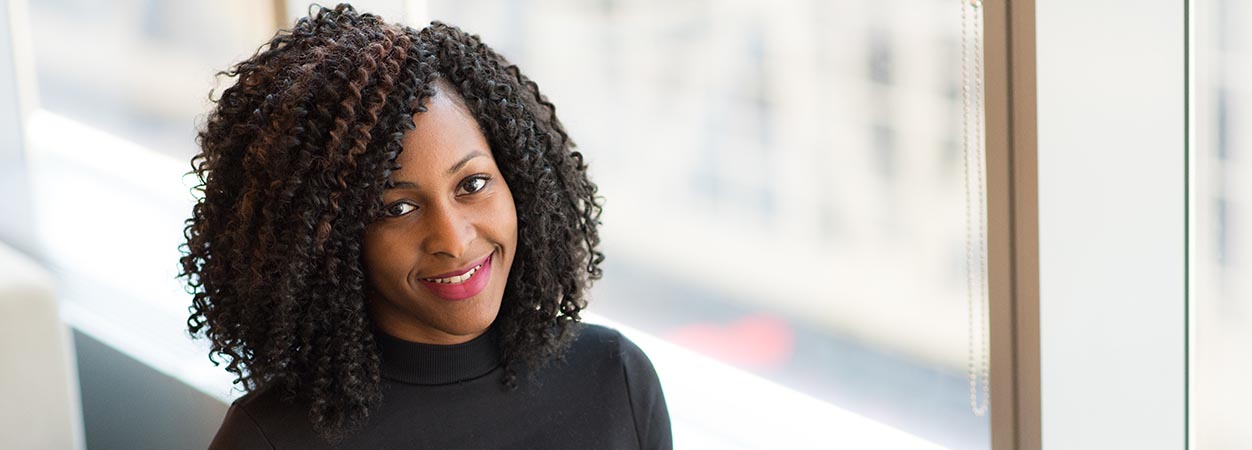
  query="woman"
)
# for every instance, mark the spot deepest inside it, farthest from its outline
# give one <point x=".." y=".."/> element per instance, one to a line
<point x="393" y="247"/>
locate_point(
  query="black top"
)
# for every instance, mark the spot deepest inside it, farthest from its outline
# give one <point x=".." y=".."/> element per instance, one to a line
<point x="604" y="394"/>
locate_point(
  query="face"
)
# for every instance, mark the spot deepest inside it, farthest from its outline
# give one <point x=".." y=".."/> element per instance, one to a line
<point x="439" y="256"/>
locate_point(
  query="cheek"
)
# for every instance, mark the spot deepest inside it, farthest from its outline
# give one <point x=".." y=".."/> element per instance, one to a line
<point x="508" y="212"/>
<point x="510" y="221"/>
<point x="383" y="265"/>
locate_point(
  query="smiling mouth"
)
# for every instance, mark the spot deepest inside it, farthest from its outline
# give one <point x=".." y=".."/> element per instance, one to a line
<point x="459" y="276"/>
<point x="461" y="286"/>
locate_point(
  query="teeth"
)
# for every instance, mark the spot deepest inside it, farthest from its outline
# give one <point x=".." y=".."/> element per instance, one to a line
<point x="457" y="279"/>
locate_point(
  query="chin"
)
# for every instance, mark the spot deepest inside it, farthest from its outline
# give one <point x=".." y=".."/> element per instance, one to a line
<point x="473" y="325"/>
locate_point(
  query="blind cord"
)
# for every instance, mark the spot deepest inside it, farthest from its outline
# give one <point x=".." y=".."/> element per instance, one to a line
<point x="973" y="145"/>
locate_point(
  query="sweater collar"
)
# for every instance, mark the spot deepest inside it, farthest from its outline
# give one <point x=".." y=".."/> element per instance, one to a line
<point x="431" y="364"/>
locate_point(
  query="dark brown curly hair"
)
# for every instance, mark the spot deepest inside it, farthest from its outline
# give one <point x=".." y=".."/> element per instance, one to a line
<point x="294" y="158"/>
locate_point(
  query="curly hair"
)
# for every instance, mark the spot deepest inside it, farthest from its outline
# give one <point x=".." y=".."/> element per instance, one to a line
<point x="294" y="158"/>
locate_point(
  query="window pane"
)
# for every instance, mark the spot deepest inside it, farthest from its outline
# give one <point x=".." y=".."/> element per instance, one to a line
<point x="141" y="69"/>
<point x="783" y="181"/>
<point x="1221" y="204"/>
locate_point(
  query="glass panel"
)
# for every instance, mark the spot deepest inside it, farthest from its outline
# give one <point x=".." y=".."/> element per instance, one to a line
<point x="140" y="69"/>
<point x="783" y="181"/>
<point x="1220" y="258"/>
<point x="121" y="86"/>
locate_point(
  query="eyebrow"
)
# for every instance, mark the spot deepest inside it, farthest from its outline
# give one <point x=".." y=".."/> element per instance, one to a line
<point x="451" y="170"/>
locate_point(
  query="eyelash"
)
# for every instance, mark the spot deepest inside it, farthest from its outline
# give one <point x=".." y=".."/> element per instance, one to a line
<point x="486" y="179"/>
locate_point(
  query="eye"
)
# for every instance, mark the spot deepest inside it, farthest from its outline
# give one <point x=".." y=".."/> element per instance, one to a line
<point x="475" y="183"/>
<point x="398" y="209"/>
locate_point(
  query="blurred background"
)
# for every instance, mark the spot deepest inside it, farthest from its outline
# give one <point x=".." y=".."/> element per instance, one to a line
<point x="1220" y="244"/>
<point x="783" y="180"/>
<point x="784" y="185"/>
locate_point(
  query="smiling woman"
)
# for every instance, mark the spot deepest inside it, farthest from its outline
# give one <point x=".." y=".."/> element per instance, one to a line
<point x="440" y="257"/>
<point x="393" y="247"/>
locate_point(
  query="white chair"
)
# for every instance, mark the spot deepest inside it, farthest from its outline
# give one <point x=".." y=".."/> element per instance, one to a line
<point x="39" y="394"/>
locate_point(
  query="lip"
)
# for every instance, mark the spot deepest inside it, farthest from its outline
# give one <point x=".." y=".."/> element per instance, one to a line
<point x="465" y="289"/>
<point x="461" y="271"/>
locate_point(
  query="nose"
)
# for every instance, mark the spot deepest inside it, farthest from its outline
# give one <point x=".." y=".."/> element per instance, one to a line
<point x="449" y="232"/>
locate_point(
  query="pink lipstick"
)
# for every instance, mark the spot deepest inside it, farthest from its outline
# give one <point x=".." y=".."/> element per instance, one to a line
<point x="454" y="288"/>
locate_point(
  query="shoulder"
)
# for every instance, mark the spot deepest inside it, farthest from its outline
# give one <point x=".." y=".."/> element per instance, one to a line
<point x="604" y="343"/>
<point x="598" y="348"/>
<point x="265" y="404"/>
<point x="259" y="420"/>
<point x="617" y="355"/>
<point x="594" y="335"/>
<point x="240" y="428"/>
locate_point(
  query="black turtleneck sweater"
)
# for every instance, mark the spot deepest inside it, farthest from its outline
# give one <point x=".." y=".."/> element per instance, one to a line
<point x="604" y="394"/>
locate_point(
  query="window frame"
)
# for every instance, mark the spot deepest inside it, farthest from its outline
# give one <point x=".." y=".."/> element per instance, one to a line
<point x="1012" y="223"/>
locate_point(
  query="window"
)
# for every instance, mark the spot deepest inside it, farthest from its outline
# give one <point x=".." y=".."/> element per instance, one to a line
<point x="782" y="193"/>
<point x="783" y="188"/>
<point x="150" y="64"/>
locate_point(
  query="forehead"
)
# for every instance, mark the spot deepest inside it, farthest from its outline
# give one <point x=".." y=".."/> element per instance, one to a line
<point x="442" y="135"/>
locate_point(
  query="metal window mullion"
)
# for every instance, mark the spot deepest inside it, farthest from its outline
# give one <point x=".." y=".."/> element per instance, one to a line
<point x="1012" y="223"/>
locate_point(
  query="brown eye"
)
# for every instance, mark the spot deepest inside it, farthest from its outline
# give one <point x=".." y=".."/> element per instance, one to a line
<point x="475" y="183"/>
<point x="399" y="209"/>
